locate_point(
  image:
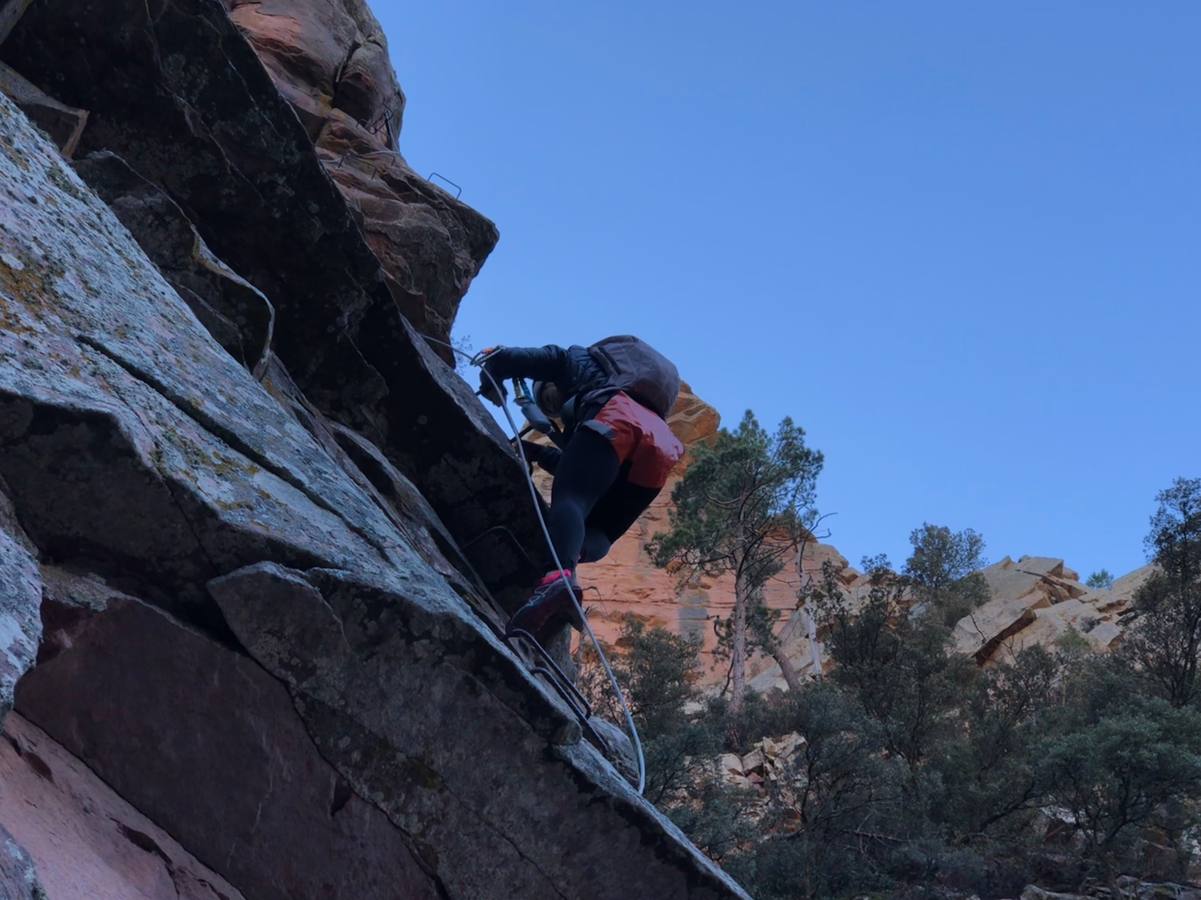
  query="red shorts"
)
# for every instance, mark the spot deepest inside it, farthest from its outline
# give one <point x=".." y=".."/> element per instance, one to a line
<point x="640" y="438"/>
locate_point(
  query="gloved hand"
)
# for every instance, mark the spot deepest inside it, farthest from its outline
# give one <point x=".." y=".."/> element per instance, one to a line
<point x="492" y="389"/>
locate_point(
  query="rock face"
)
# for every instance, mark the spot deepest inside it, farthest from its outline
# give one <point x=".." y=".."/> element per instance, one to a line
<point x="62" y="123"/>
<point x="330" y="60"/>
<point x="1039" y="600"/>
<point x="264" y="622"/>
<point x="20" y="601"/>
<point x="87" y="840"/>
<point x="233" y="310"/>
<point x="18" y="876"/>
<point x="1033" y="601"/>
<point x="255" y="788"/>
<point x="188" y="104"/>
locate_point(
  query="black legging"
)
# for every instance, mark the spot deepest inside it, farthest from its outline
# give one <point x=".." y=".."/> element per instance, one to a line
<point x="592" y="504"/>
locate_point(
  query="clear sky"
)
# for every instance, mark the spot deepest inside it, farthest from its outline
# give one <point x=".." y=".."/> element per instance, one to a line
<point x="957" y="242"/>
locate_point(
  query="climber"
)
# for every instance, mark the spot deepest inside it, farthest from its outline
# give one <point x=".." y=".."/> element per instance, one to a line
<point x="611" y="400"/>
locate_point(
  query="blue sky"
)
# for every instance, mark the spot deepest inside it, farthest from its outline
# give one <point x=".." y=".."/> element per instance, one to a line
<point x="956" y="242"/>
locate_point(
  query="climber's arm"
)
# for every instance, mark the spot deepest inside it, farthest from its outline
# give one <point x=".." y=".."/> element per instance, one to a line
<point x="547" y="363"/>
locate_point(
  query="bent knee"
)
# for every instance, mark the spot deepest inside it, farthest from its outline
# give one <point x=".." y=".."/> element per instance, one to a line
<point x="596" y="546"/>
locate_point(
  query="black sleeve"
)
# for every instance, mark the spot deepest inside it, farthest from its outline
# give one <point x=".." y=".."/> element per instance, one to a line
<point x="547" y="363"/>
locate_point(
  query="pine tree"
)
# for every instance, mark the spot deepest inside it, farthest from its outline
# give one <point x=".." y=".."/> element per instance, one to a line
<point x="742" y="509"/>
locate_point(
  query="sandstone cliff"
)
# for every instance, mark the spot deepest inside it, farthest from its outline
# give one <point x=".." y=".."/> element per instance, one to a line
<point x="251" y="586"/>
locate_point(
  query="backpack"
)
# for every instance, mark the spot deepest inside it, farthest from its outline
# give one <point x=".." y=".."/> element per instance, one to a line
<point x="635" y="367"/>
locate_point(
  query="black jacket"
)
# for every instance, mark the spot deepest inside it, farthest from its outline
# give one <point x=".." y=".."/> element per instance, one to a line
<point x="573" y="370"/>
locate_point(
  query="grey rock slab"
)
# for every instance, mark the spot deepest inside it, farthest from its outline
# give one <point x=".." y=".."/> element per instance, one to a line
<point x="430" y="719"/>
<point x="18" y="875"/>
<point x="20" y="603"/>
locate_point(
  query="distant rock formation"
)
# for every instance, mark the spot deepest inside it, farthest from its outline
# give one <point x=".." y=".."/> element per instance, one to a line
<point x="1035" y="601"/>
<point x="1039" y="600"/>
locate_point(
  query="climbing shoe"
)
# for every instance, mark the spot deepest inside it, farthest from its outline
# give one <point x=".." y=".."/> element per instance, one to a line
<point x="550" y="605"/>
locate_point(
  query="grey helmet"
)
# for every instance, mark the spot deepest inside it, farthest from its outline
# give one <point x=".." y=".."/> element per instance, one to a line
<point x="552" y="402"/>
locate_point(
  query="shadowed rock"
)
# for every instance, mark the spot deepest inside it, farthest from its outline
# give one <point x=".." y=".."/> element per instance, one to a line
<point x="226" y="764"/>
<point x="62" y="123"/>
<point x="10" y="13"/>
<point x="330" y="61"/>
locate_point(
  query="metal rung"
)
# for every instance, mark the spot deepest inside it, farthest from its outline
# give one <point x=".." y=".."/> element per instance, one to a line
<point x="577" y="700"/>
<point x="501" y="529"/>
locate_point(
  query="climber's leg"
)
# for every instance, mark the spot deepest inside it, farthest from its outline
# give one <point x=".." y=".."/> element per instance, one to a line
<point x="585" y="474"/>
<point x="586" y="471"/>
<point x="613" y="515"/>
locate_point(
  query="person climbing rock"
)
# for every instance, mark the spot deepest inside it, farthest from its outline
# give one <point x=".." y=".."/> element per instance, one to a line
<point x="611" y="399"/>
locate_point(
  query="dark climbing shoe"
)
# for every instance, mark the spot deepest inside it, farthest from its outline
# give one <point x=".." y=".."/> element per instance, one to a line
<point x="549" y="606"/>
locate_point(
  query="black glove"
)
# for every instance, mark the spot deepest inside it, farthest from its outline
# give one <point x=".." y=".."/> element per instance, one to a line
<point x="492" y="389"/>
